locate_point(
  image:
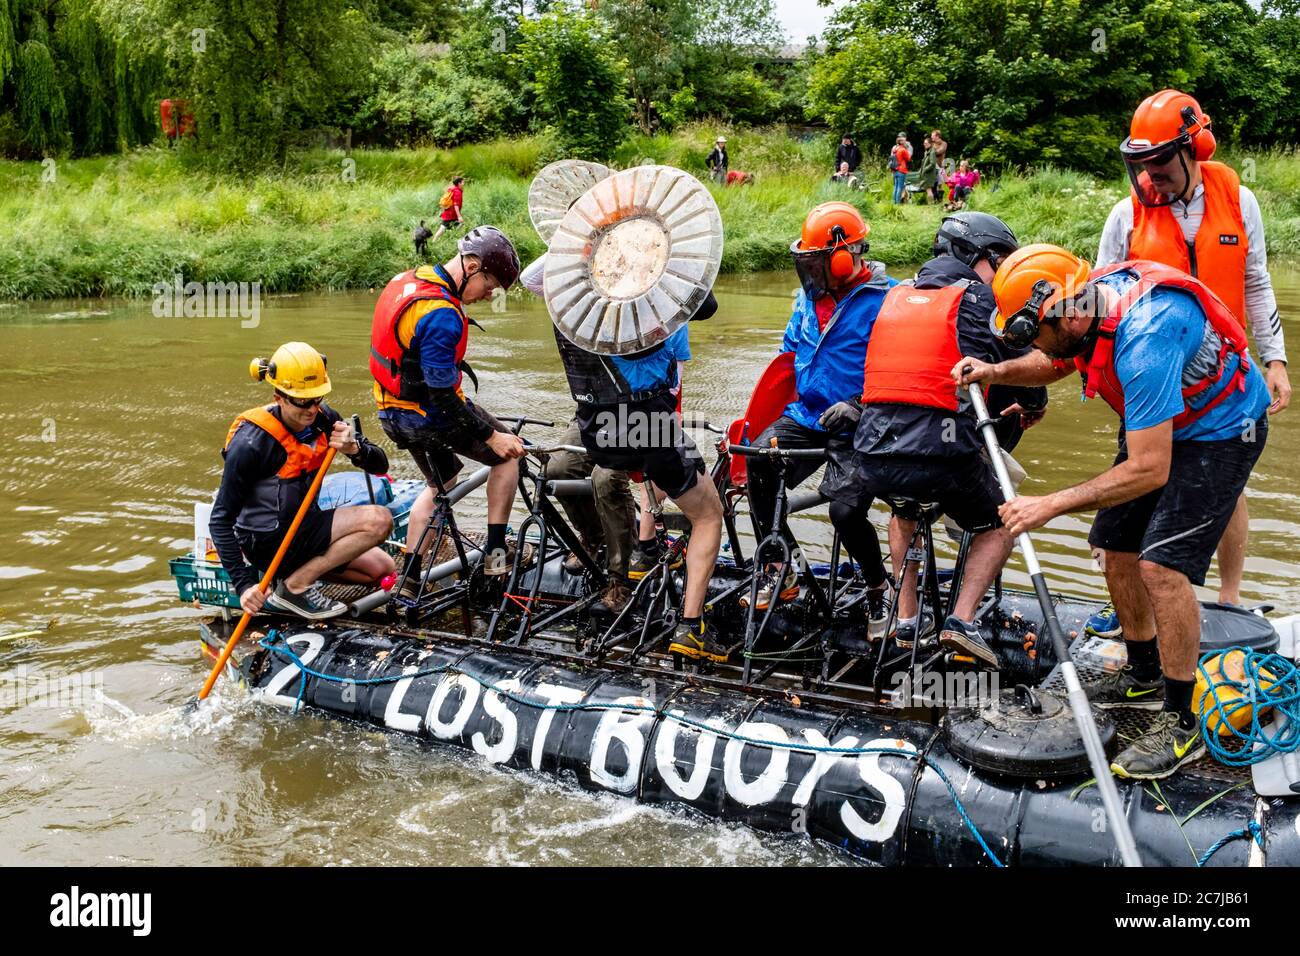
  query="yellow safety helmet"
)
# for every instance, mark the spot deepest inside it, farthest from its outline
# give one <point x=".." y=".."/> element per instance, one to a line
<point x="296" y="369"/>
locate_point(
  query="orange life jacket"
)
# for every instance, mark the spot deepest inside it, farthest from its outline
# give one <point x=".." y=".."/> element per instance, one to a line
<point x="1099" y="377"/>
<point x="1218" y="257"/>
<point x="396" y="367"/>
<point x="300" y="459"/>
<point x="913" y="348"/>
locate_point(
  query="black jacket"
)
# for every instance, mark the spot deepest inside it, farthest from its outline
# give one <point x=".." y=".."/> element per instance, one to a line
<point x="918" y="431"/>
<point x="252" y="499"/>
<point x="848" y="154"/>
<point x="717" y="159"/>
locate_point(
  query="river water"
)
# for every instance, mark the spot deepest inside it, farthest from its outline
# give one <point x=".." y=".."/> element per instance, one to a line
<point x="113" y="420"/>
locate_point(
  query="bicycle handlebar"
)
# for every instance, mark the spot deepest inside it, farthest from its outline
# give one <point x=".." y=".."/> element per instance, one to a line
<point x="757" y="451"/>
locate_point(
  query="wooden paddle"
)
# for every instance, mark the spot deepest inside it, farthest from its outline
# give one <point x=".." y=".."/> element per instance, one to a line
<point x="269" y="576"/>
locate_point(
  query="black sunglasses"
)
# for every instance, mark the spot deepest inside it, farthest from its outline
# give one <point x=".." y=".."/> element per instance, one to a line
<point x="303" y="403"/>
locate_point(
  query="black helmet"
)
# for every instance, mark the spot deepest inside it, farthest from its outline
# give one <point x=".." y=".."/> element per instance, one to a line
<point x="972" y="236"/>
<point x="495" y="252"/>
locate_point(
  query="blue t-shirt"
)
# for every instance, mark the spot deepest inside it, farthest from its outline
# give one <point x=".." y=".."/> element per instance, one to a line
<point x="653" y="370"/>
<point x="1160" y="347"/>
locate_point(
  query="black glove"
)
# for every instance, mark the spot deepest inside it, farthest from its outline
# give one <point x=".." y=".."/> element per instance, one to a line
<point x="841" y="417"/>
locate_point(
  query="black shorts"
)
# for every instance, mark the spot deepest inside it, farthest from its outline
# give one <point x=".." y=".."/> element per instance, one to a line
<point x="435" y="449"/>
<point x="643" y="436"/>
<point x="1179" y="525"/>
<point x="312" y="540"/>
<point x="963" y="487"/>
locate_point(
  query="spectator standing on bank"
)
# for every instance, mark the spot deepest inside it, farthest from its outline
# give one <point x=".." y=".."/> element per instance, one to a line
<point x="717" y="161"/>
<point x="899" y="157"/>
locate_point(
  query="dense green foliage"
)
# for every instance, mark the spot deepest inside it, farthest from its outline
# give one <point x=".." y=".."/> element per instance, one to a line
<point x="1012" y="82"/>
<point x="1025" y="82"/>
<point x="67" y="84"/>
<point x="577" y="82"/>
<point x="117" y="225"/>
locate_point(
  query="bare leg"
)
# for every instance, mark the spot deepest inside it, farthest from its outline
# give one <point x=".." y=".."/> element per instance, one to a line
<point x="1232" y="553"/>
<point x="502" y="482"/>
<point x="900" y="536"/>
<point x="356" y="530"/>
<point x="1178" y="619"/>
<point x="646" y="521"/>
<point x="369" y="568"/>
<point x="704" y="509"/>
<point x="438" y="235"/>
<point x="1127" y="593"/>
<point x="988" y="553"/>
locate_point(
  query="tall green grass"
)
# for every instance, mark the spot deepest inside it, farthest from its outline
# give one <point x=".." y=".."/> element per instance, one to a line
<point x="118" y="225"/>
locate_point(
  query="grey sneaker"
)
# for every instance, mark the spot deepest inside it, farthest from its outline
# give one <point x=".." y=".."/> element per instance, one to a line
<point x="497" y="562"/>
<point x="311" y="604"/>
<point x="1122" y="689"/>
<point x="1160" y="751"/>
<point x="965" y="638"/>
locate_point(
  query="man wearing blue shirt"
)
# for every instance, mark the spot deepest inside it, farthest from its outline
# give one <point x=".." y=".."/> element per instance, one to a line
<point x="1171" y="359"/>
<point x="839" y="297"/>
<point x="627" y="417"/>
<point x="418" y="339"/>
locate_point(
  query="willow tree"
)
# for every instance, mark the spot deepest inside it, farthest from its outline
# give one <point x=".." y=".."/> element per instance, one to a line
<point x="67" y="82"/>
<point x="256" y="73"/>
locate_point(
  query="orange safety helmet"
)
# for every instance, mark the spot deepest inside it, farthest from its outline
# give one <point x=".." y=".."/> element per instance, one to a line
<point x="833" y="233"/>
<point x="1165" y="127"/>
<point x="1168" y="119"/>
<point x="1028" y="283"/>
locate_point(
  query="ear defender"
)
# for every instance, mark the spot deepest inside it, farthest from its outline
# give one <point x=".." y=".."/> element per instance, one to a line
<point x="842" y="258"/>
<point x="1022" y="328"/>
<point x="260" y="368"/>
<point x="1199" y="133"/>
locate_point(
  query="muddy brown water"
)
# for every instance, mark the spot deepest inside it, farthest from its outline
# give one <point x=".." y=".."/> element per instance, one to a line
<point x="112" y="422"/>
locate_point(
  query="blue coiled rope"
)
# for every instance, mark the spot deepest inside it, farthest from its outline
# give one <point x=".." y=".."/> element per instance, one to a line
<point x="1269" y="681"/>
<point x="1251" y="829"/>
<point x="275" y="643"/>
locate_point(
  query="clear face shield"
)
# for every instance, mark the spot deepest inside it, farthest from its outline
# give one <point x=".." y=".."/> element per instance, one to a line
<point x="1160" y="176"/>
<point x="813" y="266"/>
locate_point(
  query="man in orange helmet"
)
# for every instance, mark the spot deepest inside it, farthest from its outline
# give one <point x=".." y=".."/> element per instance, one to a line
<point x="841" y="292"/>
<point x="1194" y="214"/>
<point x="1172" y="360"/>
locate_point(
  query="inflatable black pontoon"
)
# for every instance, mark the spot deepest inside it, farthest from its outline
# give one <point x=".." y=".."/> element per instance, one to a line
<point x="872" y="769"/>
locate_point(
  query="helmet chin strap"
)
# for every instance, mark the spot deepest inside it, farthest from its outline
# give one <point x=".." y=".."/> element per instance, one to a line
<point x="464" y="277"/>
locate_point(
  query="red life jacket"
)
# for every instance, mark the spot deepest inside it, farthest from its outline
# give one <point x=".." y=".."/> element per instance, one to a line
<point x="300" y="459"/>
<point x="396" y="367"/>
<point x="1218" y="256"/>
<point x="913" y="348"/>
<point x="1099" y="377"/>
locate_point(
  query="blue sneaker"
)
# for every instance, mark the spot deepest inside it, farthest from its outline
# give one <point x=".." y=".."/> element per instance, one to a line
<point x="1105" y="623"/>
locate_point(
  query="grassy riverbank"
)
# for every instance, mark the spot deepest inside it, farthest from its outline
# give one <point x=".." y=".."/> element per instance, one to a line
<point x="118" y="225"/>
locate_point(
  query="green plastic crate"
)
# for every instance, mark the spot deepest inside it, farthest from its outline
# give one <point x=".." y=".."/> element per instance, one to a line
<point x="208" y="583"/>
<point x="204" y="581"/>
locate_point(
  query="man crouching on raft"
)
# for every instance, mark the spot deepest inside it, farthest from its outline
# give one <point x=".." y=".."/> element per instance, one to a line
<point x="417" y="356"/>
<point x="1171" y="359"/>
<point x="272" y="455"/>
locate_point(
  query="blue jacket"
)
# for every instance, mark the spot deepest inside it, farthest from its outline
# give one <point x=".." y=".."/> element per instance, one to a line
<point x="828" y="365"/>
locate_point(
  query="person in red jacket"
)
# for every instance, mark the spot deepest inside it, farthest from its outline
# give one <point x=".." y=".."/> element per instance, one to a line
<point x="452" y="201"/>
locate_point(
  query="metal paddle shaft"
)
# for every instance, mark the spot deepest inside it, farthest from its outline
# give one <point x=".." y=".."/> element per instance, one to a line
<point x="1075" y="695"/>
<point x="269" y="576"/>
